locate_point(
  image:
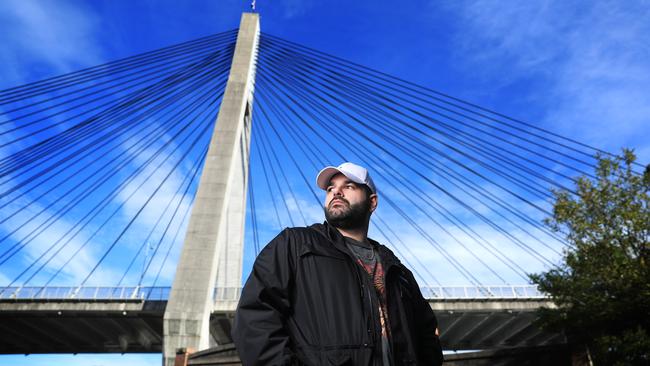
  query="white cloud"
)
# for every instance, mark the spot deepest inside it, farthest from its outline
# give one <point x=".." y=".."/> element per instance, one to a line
<point x="4" y="279"/>
<point x="294" y="8"/>
<point x="304" y="207"/>
<point x="137" y="192"/>
<point x="112" y="268"/>
<point x="62" y="38"/>
<point x="588" y="61"/>
<point x="34" y="246"/>
<point x="435" y="262"/>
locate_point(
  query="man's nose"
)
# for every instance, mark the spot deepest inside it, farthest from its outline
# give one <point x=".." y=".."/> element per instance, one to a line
<point x="336" y="192"/>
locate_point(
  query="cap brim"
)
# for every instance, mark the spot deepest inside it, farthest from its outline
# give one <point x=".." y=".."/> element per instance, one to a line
<point x="325" y="175"/>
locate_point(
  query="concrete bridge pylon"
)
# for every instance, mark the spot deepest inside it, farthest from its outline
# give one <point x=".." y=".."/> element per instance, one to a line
<point x="213" y="247"/>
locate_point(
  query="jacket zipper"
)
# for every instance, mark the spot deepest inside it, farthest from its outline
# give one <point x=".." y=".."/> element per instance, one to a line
<point x="390" y="339"/>
<point x="371" y="327"/>
<point x="372" y="331"/>
<point x="373" y="321"/>
<point x="357" y="268"/>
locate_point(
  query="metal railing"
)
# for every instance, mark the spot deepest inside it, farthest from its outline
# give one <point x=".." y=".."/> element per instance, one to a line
<point x="85" y="293"/>
<point x="232" y="293"/>
<point x="482" y="292"/>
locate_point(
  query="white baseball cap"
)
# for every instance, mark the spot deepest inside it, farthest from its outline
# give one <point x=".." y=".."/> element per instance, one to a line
<point x="354" y="172"/>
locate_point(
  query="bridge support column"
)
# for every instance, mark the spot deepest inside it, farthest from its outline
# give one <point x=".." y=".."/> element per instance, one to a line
<point x="213" y="247"/>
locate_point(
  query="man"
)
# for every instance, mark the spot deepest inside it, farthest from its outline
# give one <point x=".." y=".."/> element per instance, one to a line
<point x="329" y="295"/>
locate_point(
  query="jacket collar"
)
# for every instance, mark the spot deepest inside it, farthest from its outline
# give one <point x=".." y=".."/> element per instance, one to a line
<point x="333" y="235"/>
<point x="388" y="259"/>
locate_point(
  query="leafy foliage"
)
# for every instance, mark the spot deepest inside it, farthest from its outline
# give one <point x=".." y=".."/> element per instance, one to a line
<point x="602" y="288"/>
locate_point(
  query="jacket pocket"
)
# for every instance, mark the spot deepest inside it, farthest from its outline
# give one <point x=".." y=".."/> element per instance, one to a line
<point x="318" y="250"/>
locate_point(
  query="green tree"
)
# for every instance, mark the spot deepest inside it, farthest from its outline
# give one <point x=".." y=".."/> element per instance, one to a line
<point x="602" y="287"/>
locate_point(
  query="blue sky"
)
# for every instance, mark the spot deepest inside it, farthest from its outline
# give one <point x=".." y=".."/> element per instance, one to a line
<point x="581" y="68"/>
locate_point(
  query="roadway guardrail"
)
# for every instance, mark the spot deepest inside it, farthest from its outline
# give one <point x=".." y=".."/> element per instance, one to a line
<point x="232" y="293"/>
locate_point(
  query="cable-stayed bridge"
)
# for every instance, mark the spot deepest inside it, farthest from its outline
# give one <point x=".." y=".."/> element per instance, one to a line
<point x="130" y="319"/>
<point x="99" y="183"/>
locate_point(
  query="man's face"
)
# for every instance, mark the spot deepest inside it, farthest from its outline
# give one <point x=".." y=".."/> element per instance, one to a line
<point x="347" y="204"/>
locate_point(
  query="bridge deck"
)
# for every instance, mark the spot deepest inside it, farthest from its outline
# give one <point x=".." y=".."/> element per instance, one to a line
<point x="494" y="323"/>
<point x="81" y="326"/>
<point x="131" y="321"/>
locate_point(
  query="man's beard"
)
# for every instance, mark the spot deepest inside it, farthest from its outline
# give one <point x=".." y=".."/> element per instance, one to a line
<point x="350" y="217"/>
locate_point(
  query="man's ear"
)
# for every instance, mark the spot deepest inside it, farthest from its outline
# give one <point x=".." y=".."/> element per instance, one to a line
<point x="374" y="199"/>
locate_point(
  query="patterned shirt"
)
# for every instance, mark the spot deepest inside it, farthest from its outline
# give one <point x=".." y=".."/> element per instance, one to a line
<point x="367" y="258"/>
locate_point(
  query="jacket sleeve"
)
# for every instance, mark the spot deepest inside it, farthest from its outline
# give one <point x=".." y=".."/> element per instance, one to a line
<point x="428" y="343"/>
<point x="259" y="330"/>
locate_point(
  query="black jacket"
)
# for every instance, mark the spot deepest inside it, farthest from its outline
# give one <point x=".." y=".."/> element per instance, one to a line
<point x="308" y="302"/>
